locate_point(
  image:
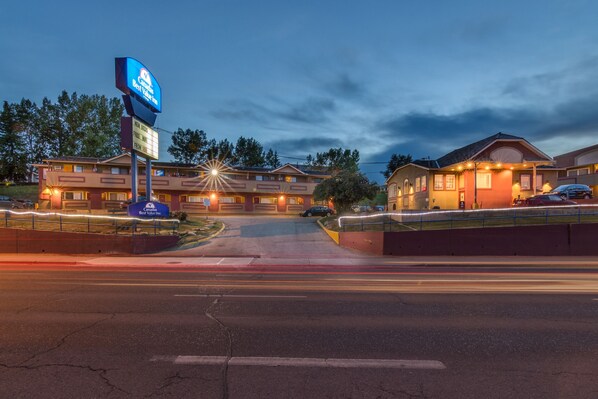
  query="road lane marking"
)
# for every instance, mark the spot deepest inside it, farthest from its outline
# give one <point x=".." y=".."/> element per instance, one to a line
<point x="302" y="362"/>
<point x="240" y="296"/>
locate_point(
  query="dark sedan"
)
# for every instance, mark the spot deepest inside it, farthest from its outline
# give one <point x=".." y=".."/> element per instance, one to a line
<point x="573" y="191"/>
<point x="547" y="200"/>
<point x="317" y="211"/>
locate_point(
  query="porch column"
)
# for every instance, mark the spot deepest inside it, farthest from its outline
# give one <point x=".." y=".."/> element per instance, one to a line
<point x="534" y="178"/>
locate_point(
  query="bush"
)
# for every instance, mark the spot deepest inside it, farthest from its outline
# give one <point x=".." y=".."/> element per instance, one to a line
<point x="180" y="215"/>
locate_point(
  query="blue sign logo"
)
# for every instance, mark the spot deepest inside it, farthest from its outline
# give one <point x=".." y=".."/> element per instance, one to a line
<point x="148" y="209"/>
<point x="133" y="77"/>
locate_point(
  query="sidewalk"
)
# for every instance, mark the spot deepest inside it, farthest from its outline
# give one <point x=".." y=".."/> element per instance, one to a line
<point x="198" y="262"/>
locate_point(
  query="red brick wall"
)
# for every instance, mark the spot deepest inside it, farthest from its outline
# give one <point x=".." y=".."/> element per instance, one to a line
<point x="28" y="241"/>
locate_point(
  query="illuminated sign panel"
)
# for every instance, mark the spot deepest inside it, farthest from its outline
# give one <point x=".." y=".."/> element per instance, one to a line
<point x="134" y="78"/>
<point x="139" y="137"/>
<point x="148" y="209"/>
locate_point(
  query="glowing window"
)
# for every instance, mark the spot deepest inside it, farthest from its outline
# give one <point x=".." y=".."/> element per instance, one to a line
<point x="484" y="180"/>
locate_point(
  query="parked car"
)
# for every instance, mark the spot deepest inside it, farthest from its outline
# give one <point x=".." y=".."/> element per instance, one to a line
<point x="379" y="208"/>
<point x="573" y="191"/>
<point x="7" y="202"/>
<point x="547" y="200"/>
<point x="23" y="204"/>
<point x="317" y="211"/>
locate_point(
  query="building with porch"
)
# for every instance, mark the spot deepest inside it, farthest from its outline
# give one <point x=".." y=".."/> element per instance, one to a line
<point x="490" y="173"/>
<point x="80" y="183"/>
<point x="579" y="167"/>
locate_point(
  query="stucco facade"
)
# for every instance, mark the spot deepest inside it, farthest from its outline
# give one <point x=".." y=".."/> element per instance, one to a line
<point x="490" y="173"/>
<point x="95" y="184"/>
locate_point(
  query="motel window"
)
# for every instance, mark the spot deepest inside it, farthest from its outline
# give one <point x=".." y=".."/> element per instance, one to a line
<point x="317" y="180"/>
<point x="449" y="182"/>
<point x="57" y="167"/>
<point x="295" y="201"/>
<point x="424" y="183"/>
<point x="260" y="178"/>
<point x="78" y="168"/>
<point x="417" y="184"/>
<point x="196" y="198"/>
<point x="268" y="200"/>
<point x="526" y="182"/>
<point x="227" y="200"/>
<point x="115" y="196"/>
<point x="461" y="181"/>
<point x="290" y="179"/>
<point x="118" y="171"/>
<point x="158" y="172"/>
<point x="484" y="180"/>
<point x="438" y="182"/>
<point x="74" y="195"/>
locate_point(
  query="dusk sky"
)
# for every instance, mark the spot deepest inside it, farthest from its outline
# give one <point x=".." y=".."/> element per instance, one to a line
<point x="383" y="77"/>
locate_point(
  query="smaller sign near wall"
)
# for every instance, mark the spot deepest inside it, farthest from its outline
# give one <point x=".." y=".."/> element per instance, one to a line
<point x="148" y="209"/>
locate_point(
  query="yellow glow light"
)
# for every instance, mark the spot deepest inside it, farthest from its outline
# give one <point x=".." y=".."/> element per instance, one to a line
<point x="469" y="164"/>
<point x="281" y="197"/>
<point x="460" y="167"/>
<point x="214" y="172"/>
<point x="499" y="165"/>
<point x="487" y="168"/>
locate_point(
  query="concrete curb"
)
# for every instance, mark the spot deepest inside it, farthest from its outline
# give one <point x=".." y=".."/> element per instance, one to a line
<point x="333" y="234"/>
<point x="201" y="240"/>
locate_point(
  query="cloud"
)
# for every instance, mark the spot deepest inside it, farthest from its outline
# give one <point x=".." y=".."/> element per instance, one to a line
<point x="313" y="110"/>
<point x="345" y="87"/>
<point x="434" y="134"/>
<point x="303" y="146"/>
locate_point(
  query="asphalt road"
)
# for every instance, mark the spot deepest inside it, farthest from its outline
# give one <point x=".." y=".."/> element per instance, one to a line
<point x="310" y="332"/>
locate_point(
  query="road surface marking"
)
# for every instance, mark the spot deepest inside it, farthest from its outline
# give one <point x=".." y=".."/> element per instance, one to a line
<point x="240" y="296"/>
<point x="595" y="299"/>
<point x="302" y="362"/>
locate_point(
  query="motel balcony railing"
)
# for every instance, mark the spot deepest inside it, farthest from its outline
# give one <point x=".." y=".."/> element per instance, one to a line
<point x="479" y="218"/>
<point x="84" y="223"/>
<point x="72" y="180"/>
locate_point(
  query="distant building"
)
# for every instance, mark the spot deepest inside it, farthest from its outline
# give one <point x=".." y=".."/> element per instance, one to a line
<point x="95" y="183"/>
<point x="579" y="167"/>
<point x="490" y="173"/>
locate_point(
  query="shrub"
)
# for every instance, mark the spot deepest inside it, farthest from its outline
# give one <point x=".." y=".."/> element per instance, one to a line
<point x="180" y="215"/>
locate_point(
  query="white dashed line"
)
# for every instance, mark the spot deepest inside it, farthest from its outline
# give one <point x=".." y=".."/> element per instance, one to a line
<point x="303" y="362"/>
<point x="239" y="296"/>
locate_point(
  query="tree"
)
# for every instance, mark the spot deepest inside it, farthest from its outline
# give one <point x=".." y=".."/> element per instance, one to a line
<point x="249" y="152"/>
<point x="222" y="150"/>
<point x="396" y="161"/>
<point x="345" y="189"/>
<point x="100" y="125"/>
<point x="272" y="159"/>
<point x="336" y="160"/>
<point x="34" y="145"/>
<point x="80" y="125"/>
<point x="13" y="166"/>
<point x="189" y="146"/>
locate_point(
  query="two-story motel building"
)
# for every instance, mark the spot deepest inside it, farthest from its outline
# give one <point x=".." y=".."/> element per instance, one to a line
<point x="80" y="183"/>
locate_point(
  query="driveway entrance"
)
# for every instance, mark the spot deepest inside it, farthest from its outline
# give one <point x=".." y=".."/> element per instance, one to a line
<point x="270" y="237"/>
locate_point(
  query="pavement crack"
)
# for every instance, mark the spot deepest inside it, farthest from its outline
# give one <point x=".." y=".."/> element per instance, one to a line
<point x="101" y="372"/>
<point x="169" y="381"/>
<point x="229" y="351"/>
<point x="63" y="339"/>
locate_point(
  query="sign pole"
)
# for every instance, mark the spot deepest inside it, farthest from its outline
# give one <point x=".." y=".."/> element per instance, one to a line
<point x="148" y="179"/>
<point x="134" y="176"/>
